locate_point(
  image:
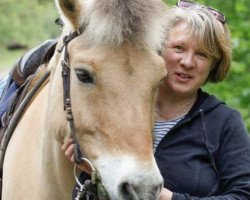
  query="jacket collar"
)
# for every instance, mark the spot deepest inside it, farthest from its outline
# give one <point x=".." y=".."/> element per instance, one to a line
<point x="204" y="103"/>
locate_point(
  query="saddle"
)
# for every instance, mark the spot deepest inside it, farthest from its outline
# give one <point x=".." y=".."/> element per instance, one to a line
<point x="23" y="69"/>
<point x="25" y="78"/>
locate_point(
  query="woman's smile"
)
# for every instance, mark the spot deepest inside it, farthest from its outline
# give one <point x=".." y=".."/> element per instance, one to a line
<point x="182" y="77"/>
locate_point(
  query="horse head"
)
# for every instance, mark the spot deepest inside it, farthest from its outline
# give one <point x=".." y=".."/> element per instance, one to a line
<point x="115" y="69"/>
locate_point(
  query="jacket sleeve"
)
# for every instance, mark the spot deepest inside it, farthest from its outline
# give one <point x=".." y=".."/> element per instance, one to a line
<point x="233" y="163"/>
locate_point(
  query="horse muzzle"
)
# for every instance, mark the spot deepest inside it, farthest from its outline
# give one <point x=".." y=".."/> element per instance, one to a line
<point x="126" y="178"/>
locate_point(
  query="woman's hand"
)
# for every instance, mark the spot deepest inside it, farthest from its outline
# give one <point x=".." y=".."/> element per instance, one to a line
<point x="68" y="148"/>
<point x="165" y="194"/>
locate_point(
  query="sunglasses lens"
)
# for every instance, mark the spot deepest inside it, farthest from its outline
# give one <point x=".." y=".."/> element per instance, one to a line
<point x="185" y="4"/>
<point x="217" y="14"/>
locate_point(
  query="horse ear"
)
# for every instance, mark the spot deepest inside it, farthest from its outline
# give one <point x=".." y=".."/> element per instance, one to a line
<point x="70" y="9"/>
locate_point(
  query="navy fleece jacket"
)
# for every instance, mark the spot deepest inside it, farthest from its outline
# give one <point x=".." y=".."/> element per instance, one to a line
<point x="207" y="154"/>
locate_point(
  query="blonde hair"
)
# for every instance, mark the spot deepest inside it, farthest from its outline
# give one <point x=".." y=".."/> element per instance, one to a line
<point x="212" y="36"/>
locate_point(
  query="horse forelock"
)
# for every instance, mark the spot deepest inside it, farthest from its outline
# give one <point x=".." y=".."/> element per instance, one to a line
<point x="112" y="22"/>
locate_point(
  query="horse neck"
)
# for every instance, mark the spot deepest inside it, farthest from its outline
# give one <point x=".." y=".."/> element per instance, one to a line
<point x="55" y="170"/>
<point x="58" y="170"/>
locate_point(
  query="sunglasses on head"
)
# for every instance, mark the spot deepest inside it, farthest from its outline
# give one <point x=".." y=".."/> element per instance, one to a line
<point x="217" y="14"/>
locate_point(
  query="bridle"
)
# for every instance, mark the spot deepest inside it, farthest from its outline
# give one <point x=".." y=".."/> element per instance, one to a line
<point x="78" y="154"/>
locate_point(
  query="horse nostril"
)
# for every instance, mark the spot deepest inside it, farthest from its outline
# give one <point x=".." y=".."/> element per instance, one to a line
<point x="128" y="192"/>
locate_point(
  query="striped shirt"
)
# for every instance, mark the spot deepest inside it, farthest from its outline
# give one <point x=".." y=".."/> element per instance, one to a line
<point x="161" y="128"/>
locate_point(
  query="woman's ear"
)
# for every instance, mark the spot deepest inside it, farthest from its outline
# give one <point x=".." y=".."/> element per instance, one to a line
<point x="70" y="9"/>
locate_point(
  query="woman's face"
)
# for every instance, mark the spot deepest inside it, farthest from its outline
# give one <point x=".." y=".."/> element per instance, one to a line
<point x="188" y="66"/>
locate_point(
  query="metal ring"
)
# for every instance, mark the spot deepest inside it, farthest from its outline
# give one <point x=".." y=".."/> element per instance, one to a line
<point x="92" y="168"/>
<point x="90" y="164"/>
<point x="76" y="178"/>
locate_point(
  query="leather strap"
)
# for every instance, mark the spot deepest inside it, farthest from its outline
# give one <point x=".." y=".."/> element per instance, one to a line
<point x="66" y="94"/>
<point x="18" y="114"/>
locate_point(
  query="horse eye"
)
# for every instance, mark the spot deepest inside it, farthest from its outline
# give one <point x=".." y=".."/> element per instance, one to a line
<point x="84" y="76"/>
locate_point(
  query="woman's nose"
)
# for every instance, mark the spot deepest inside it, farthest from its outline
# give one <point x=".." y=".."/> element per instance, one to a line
<point x="188" y="60"/>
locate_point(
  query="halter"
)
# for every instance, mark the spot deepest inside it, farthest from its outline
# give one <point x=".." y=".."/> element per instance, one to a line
<point x="78" y="155"/>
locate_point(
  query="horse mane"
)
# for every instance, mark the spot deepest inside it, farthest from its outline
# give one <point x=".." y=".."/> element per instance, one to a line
<point x="112" y="22"/>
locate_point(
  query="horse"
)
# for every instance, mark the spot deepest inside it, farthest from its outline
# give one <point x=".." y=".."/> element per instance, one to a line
<point x="109" y="53"/>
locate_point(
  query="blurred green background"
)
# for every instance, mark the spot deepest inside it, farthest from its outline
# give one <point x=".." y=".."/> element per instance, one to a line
<point x="28" y="23"/>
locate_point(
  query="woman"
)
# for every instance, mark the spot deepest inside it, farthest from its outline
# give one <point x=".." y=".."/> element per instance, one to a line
<point x="201" y="145"/>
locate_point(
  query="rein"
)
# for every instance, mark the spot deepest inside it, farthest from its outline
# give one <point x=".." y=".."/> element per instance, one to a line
<point x="17" y="111"/>
<point x="87" y="187"/>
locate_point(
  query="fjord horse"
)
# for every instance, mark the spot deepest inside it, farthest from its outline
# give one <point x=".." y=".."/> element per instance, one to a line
<point x="113" y="67"/>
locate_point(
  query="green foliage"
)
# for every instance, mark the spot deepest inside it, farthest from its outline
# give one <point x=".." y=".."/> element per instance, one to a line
<point x="28" y="22"/>
<point x="31" y="22"/>
<point x="9" y="58"/>
<point x="236" y="89"/>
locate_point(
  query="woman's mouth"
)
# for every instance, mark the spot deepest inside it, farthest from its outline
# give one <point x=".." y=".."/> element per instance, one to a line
<point x="182" y="76"/>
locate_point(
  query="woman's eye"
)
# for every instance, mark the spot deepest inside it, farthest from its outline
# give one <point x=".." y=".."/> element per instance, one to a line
<point x="201" y="54"/>
<point x="178" y="48"/>
<point x="84" y="76"/>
